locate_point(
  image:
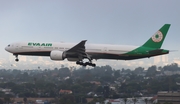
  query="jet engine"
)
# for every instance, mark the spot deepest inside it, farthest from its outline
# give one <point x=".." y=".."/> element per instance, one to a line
<point x="57" y="55"/>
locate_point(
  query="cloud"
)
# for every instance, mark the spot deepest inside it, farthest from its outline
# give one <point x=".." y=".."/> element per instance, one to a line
<point x="118" y="64"/>
<point x="177" y="60"/>
<point x="0" y="62"/>
<point x="161" y="60"/>
<point x="141" y="63"/>
<point x="23" y="58"/>
<point x="165" y="58"/>
<point x="157" y="59"/>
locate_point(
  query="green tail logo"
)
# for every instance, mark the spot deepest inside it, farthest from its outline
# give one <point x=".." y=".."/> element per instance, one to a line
<point x="157" y="39"/>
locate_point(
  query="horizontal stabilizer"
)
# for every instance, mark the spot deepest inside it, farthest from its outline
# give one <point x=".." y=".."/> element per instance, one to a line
<point x="156" y="51"/>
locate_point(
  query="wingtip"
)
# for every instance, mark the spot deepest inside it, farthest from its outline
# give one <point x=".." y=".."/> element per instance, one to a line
<point x="84" y="40"/>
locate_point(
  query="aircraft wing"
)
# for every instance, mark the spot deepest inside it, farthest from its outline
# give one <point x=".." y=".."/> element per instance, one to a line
<point x="78" y="50"/>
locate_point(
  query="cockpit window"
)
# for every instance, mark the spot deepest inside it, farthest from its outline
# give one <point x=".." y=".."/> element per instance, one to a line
<point x="9" y="45"/>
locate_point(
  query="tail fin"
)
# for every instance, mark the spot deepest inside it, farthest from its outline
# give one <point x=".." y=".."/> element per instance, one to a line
<point x="157" y="39"/>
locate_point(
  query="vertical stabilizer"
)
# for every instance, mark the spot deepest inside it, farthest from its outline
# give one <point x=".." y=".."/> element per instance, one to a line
<point x="157" y="39"/>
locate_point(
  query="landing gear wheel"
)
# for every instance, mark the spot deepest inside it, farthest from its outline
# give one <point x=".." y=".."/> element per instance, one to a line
<point x="93" y="65"/>
<point x="16" y="60"/>
<point x="78" y="62"/>
<point x="86" y="63"/>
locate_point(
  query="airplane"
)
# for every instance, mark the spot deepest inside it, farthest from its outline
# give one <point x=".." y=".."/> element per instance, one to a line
<point x="79" y="52"/>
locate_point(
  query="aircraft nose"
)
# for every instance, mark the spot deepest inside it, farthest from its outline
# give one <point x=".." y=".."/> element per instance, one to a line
<point x="7" y="48"/>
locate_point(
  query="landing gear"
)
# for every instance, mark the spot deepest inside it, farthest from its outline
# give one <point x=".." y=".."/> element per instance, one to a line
<point x="16" y="58"/>
<point x="86" y="63"/>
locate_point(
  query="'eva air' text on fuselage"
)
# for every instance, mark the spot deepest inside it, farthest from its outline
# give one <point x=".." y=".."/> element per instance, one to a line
<point x="40" y="44"/>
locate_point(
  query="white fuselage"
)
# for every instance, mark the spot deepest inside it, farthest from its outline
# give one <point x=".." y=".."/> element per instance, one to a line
<point x="100" y="51"/>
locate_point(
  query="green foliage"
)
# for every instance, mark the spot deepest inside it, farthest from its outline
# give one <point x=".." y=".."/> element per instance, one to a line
<point x="2" y="94"/>
<point x="127" y="82"/>
<point x="138" y="70"/>
<point x="151" y="72"/>
<point x="1" y="101"/>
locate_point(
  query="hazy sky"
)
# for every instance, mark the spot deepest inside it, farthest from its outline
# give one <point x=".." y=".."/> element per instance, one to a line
<point x="130" y="22"/>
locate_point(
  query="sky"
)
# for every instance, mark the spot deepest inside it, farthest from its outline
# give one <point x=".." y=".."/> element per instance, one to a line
<point x="124" y="22"/>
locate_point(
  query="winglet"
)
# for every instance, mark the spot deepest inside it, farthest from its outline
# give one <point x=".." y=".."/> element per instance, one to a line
<point x="157" y="39"/>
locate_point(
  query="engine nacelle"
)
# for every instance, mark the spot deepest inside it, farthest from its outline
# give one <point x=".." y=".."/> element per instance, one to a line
<point x="57" y="55"/>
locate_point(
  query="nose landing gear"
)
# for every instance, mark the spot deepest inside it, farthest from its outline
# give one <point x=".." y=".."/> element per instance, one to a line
<point x="16" y="58"/>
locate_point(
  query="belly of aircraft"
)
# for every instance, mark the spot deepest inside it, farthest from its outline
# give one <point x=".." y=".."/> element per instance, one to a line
<point x="95" y="55"/>
<point x="46" y="53"/>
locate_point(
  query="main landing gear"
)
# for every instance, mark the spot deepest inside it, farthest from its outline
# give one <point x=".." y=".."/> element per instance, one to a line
<point x="85" y="64"/>
<point x="16" y="58"/>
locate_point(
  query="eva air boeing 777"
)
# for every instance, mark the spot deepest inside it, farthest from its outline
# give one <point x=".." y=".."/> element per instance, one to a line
<point x="80" y="51"/>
